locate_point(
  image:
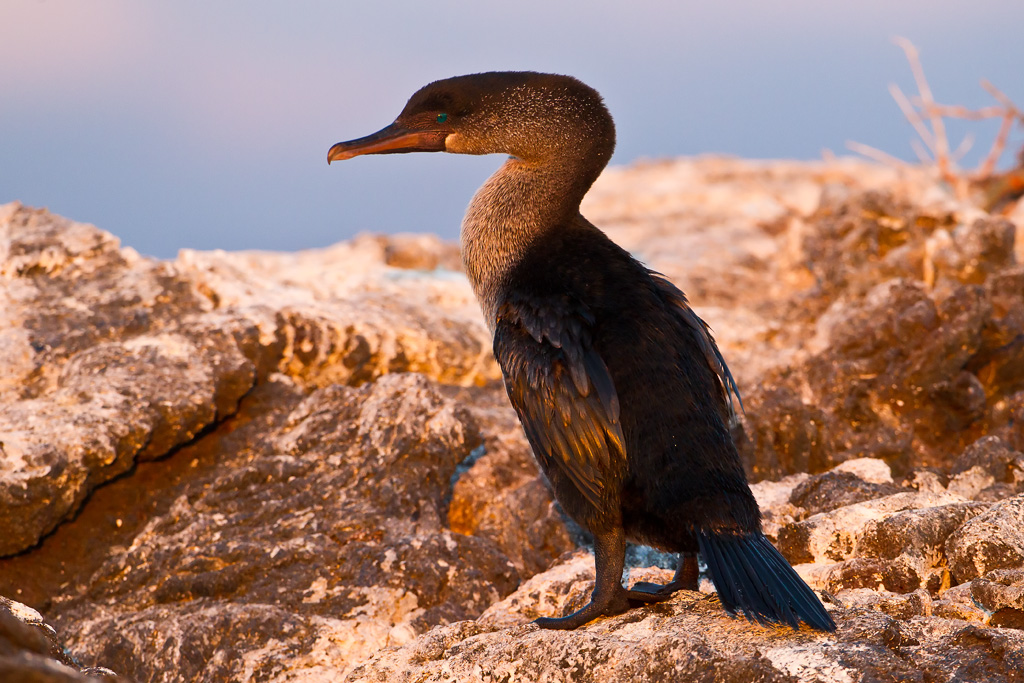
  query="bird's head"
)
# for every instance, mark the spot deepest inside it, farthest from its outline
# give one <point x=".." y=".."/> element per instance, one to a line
<point x="531" y="116"/>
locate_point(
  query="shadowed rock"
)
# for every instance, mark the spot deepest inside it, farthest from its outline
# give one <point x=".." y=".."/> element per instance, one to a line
<point x="31" y="652"/>
<point x="993" y="540"/>
<point x="831" y="490"/>
<point x="908" y="359"/>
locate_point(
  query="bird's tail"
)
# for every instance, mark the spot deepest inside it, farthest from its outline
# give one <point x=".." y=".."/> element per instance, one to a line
<point x="752" y="576"/>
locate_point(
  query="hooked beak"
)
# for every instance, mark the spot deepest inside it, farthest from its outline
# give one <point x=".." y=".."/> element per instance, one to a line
<point x="391" y="140"/>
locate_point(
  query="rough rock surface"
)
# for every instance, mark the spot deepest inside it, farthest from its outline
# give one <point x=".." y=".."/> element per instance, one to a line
<point x="107" y="358"/>
<point x="993" y="540"/>
<point x="691" y="638"/>
<point x="301" y="467"/>
<point x="31" y="651"/>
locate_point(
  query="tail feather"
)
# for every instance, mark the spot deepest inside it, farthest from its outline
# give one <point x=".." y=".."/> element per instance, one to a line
<point x="752" y="576"/>
<point x="806" y="602"/>
<point x="712" y="554"/>
<point x="738" y="591"/>
<point x="756" y="588"/>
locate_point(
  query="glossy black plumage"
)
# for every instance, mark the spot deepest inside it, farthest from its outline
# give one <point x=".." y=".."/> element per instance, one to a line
<point x="620" y="387"/>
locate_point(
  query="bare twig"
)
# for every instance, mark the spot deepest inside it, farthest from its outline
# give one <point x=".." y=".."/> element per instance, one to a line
<point x="986" y="167"/>
<point x="1002" y="99"/>
<point x="875" y="154"/>
<point x="940" y="145"/>
<point x="1011" y="114"/>
<point x="921" y="152"/>
<point x="960" y="111"/>
<point x="964" y="147"/>
<point x="932" y="146"/>
<point x="915" y="120"/>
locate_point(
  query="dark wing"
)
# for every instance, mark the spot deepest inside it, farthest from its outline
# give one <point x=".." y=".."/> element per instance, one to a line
<point x="674" y="296"/>
<point x="562" y="391"/>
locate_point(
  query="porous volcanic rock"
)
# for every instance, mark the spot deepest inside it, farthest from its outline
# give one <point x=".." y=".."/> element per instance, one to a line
<point x="690" y="637"/>
<point x="993" y="540"/>
<point x="30" y="651"/>
<point x="901" y="364"/>
<point x="1001" y="594"/>
<point x="298" y="467"/>
<point x="97" y="370"/>
<point x="835" y="489"/>
<point x="500" y="495"/>
<point x="109" y="358"/>
<point x="307" y="463"/>
<point x="835" y="535"/>
<point x="325" y="536"/>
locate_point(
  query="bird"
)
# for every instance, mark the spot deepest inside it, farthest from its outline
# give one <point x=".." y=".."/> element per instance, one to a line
<point x="621" y="390"/>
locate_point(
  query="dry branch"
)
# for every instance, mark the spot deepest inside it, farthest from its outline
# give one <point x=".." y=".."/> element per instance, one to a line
<point x="875" y="154"/>
<point x="926" y="116"/>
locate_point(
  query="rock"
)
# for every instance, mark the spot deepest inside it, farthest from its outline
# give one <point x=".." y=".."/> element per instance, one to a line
<point x="868" y="238"/>
<point x="341" y="314"/>
<point x="878" y="390"/>
<point x="30" y="650"/>
<point x="773" y="500"/>
<point x="524" y="521"/>
<point x="871" y="470"/>
<point x="927" y="480"/>
<point x="922" y="531"/>
<point x="111" y="358"/>
<point x="299" y="466"/>
<point x="897" y="365"/>
<point x="835" y="489"/>
<point x="418" y="251"/>
<point x="992" y="455"/>
<point x="913" y="543"/>
<point x="902" y="575"/>
<point x="1001" y="594"/>
<point x="691" y="638"/>
<point x="988" y="470"/>
<point x="992" y="540"/>
<point x="549" y="594"/>
<point x="958" y="603"/>
<point x="1000" y="367"/>
<point x="971" y="253"/>
<point x="782" y="435"/>
<point x="328" y="533"/>
<point x="951" y="651"/>
<point x="1011" y="415"/>
<point x="502" y="496"/>
<point x="901" y="606"/>
<point x="883" y="337"/>
<point x="834" y="536"/>
<point x="104" y="378"/>
<point x="652" y="646"/>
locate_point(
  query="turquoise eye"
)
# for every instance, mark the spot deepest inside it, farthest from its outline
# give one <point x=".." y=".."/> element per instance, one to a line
<point x="441" y="118"/>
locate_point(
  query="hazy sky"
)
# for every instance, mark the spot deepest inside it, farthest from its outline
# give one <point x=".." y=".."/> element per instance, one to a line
<point x="206" y="125"/>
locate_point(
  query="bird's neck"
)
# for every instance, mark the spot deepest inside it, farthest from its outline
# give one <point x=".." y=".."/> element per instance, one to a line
<point x="516" y="206"/>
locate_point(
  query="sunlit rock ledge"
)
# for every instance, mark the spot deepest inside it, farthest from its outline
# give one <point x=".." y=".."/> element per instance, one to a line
<point x="301" y="466"/>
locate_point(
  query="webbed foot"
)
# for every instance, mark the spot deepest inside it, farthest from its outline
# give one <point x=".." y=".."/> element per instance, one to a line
<point x="687" y="577"/>
<point x="609" y="597"/>
<point x="644" y="592"/>
<point x="599" y="606"/>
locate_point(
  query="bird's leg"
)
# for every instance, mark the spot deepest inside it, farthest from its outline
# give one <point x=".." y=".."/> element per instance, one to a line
<point x="687" y="573"/>
<point x="687" y="577"/>
<point x="609" y="597"/>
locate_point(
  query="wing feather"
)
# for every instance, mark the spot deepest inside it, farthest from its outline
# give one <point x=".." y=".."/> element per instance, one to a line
<point x="674" y="296"/>
<point x="562" y="391"/>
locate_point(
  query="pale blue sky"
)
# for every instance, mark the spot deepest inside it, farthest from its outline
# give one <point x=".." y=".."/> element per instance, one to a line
<point x="206" y="125"/>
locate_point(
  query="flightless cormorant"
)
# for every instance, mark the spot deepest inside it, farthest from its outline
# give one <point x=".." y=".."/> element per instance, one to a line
<point x="620" y="387"/>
